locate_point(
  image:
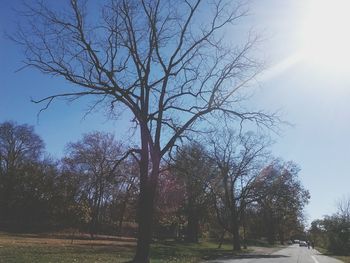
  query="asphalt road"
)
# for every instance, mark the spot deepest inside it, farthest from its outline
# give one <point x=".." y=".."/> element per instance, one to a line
<point x="291" y="254"/>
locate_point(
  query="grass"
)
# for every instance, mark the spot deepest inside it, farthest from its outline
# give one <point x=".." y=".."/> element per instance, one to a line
<point x="345" y="259"/>
<point x="183" y="252"/>
<point x="45" y="249"/>
<point x="323" y="251"/>
<point x="29" y="248"/>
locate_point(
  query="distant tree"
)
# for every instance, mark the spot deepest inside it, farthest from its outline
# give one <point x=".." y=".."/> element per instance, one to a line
<point x="165" y="62"/>
<point x="344" y="208"/>
<point x="333" y="232"/>
<point x="71" y="209"/>
<point x="337" y="230"/>
<point x="94" y="160"/>
<point x="34" y="197"/>
<point x="22" y="168"/>
<point x="19" y="144"/>
<point x="317" y="233"/>
<point x="281" y="198"/>
<point x="125" y="194"/>
<point x="239" y="159"/>
<point x="170" y="203"/>
<point x="194" y="169"/>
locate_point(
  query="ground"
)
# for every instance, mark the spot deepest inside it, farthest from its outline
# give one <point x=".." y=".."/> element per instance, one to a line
<point x="345" y="259"/>
<point x="58" y="248"/>
<point x="24" y="248"/>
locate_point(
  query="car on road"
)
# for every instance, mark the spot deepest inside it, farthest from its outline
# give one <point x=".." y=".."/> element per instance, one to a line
<point x="302" y="244"/>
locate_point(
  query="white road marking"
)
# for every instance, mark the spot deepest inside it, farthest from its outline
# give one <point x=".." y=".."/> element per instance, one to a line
<point x="316" y="261"/>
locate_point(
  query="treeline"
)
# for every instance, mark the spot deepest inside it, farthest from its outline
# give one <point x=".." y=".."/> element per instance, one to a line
<point x="222" y="186"/>
<point x="333" y="232"/>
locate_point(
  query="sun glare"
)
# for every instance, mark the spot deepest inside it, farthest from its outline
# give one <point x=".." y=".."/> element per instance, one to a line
<point x="326" y="34"/>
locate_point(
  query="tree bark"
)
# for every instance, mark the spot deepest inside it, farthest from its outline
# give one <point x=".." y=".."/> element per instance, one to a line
<point x="145" y="221"/>
<point x="281" y="235"/>
<point x="121" y="219"/>
<point x="270" y="228"/>
<point x="235" y="230"/>
<point x="148" y="187"/>
<point x="244" y="224"/>
<point x="236" y="237"/>
<point x="221" y="241"/>
<point x="122" y="211"/>
<point x="192" y="226"/>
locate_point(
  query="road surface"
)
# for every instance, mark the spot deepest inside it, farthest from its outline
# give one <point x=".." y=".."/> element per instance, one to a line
<point x="291" y="254"/>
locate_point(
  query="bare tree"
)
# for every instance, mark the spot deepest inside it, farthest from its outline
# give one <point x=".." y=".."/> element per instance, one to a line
<point x="239" y="159"/>
<point x="126" y="192"/>
<point x="95" y="160"/>
<point x="21" y="149"/>
<point x="18" y="144"/>
<point x="194" y="169"/>
<point x="344" y="208"/>
<point x="167" y="62"/>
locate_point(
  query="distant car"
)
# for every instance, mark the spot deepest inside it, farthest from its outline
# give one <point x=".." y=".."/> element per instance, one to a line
<point x="302" y="244"/>
<point x="296" y="241"/>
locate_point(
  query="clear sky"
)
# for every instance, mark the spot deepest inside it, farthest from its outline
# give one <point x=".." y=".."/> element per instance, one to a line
<point x="308" y="82"/>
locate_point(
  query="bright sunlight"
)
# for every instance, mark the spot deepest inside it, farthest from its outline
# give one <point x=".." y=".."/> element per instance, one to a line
<point x="326" y="34"/>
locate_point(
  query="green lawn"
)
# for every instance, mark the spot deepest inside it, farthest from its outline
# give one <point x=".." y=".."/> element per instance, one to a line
<point x="32" y="248"/>
<point x="345" y="259"/>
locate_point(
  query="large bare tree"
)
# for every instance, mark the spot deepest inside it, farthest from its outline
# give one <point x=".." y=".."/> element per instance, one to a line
<point x="170" y="63"/>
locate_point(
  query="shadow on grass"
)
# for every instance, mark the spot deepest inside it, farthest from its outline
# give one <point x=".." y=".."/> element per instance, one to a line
<point x="190" y="252"/>
<point x="257" y="256"/>
<point x="243" y="256"/>
<point x="129" y="246"/>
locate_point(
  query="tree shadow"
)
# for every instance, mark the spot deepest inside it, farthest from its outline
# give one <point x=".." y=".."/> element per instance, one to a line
<point x="244" y="256"/>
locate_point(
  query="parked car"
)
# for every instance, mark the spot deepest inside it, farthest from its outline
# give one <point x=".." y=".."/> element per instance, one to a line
<point x="302" y="244"/>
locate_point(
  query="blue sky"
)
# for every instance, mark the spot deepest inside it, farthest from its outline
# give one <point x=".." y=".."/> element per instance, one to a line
<point x="314" y="99"/>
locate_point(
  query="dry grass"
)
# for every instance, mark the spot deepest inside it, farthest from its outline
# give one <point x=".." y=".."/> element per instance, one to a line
<point x="345" y="259"/>
<point x="24" y="248"/>
<point x="43" y="248"/>
<point x="64" y="240"/>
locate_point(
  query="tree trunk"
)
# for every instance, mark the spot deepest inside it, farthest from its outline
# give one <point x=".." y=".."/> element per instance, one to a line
<point x="221" y="241"/>
<point x="121" y="219"/>
<point x="236" y="238"/>
<point x="148" y="186"/>
<point x="235" y="230"/>
<point x="270" y="228"/>
<point x="122" y="212"/>
<point x="281" y="235"/>
<point x="145" y="221"/>
<point x="244" y="224"/>
<point x="192" y="226"/>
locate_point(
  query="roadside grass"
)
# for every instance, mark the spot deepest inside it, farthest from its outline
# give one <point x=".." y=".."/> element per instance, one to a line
<point x="323" y="251"/>
<point x="44" y="249"/>
<point x="171" y="251"/>
<point x="345" y="259"/>
<point x="32" y="248"/>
